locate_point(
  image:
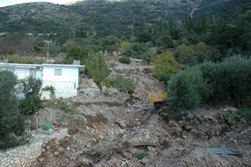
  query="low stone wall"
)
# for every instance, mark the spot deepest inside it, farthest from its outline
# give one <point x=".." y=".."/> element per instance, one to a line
<point x="25" y="155"/>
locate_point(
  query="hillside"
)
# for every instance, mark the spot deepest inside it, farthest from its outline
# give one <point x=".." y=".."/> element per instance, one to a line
<point x="37" y="17"/>
<point x="102" y="17"/>
<point x="127" y="17"/>
<point x="227" y="9"/>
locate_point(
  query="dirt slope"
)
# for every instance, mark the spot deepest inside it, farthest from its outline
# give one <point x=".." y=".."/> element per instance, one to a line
<point x="123" y="130"/>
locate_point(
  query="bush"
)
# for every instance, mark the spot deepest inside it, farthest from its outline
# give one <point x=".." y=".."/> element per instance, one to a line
<point x="241" y="113"/>
<point x="165" y="66"/>
<point x="75" y="53"/>
<point x="32" y="102"/>
<point x="15" y="58"/>
<point x="193" y="54"/>
<point x="229" y="80"/>
<point x="65" y="107"/>
<point x="121" y="83"/>
<point x="51" y="89"/>
<point x="124" y="60"/>
<point x="187" y="89"/>
<point x="97" y="68"/>
<point x="12" y="123"/>
<point x="147" y="57"/>
<point x="135" y="50"/>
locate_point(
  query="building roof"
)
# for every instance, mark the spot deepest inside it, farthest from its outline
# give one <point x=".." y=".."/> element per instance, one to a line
<point x="63" y="65"/>
<point x="18" y="65"/>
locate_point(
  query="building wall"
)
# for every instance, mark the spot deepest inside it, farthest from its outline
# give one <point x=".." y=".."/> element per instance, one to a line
<point x="65" y="84"/>
<point x="22" y="73"/>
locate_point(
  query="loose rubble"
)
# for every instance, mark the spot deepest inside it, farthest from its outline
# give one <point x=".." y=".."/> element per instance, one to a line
<point x="119" y="129"/>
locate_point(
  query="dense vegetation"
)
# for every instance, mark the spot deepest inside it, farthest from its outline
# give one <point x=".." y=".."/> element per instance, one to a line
<point x="13" y="111"/>
<point x="227" y="82"/>
<point x="12" y="122"/>
<point x="137" y="29"/>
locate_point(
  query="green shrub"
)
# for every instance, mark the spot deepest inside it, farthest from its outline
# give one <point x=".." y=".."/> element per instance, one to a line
<point x="147" y="57"/>
<point x="97" y="68"/>
<point x="65" y="107"/>
<point x="135" y="50"/>
<point x="15" y="58"/>
<point x="241" y="113"/>
<point x="124" y="60"/>
<point x="165" y="66"/>
<point x="51" y="89"/>
<point x="32" y="102"/>
<point x="229" y="80"/>
<point x="12" y="122"/>
<point x="121" y="83"/>
<point x="187" y="89"/>
<point x="193" y="54"/>
<point x="224" y="82"/>
<point x="140" y="155"/>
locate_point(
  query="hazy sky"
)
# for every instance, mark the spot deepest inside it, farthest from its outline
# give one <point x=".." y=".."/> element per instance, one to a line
<point x="12" y="2"/>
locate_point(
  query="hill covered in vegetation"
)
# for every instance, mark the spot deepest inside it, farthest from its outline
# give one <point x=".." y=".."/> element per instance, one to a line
<point x="135" y="28"/>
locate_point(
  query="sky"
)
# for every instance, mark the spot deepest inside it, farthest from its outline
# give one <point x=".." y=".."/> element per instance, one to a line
<point x="12" y="2"/>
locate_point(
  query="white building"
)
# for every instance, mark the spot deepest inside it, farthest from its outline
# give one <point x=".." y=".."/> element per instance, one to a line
<point x="63" y="77"/>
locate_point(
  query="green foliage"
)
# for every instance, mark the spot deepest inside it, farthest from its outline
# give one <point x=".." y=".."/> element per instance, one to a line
<point x="193" y="54"/>
<point x="97" y="67"/>
<point x="147" y="57"/>
<point x="187" y="89"/>
<point x="135" y="50"/>
<point x="51" y="89"/>
<point x="15" y="58"/>
<point x="165" y="66"/>
<point x="75" y="53"/>
<point x="124" y="60"/>
<point x="140" y="155"/>
<point x="65" y="107"/>
<point x="123" y="84"/>
<point x="31" y="103"/>
<point x="241" y="113"/>
<point x="12" y="123"/>
<point x="144" y="37"/>
<point x="229" y="80"/>
<point x="111" y="43"/>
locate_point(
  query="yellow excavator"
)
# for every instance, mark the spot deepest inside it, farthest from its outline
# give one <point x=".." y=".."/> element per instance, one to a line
<point x="157" y="98"/>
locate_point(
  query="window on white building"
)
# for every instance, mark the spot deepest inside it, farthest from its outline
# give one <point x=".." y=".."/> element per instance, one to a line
<point x="58" y="72"/>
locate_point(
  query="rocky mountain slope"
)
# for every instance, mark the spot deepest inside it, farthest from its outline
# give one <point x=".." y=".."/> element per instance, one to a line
<point x="37" y="17"/>
<point x="105" y="17"/>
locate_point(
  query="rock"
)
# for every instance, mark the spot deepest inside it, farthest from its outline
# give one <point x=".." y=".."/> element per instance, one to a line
<point x="138" y="123"/>
<point x="144" y="160"/>
<point x="172" y="123"/>
<point x="230" y="109"/>
<point x="181" y="122"/>
<point x="122" y="125"/>
<point x="87" y="162"/>
<point x="88" y="145"/>
<point x="82" y="162"/>
<point x="231" y="121"/>
<point x="187" y="127"/>
<point x="164" y="142"/>
<point x="210" y="118"/>
<point x="56" y="153"/>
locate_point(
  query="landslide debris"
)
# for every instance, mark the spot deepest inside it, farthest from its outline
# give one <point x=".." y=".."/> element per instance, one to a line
<point x="122" y="129"/>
